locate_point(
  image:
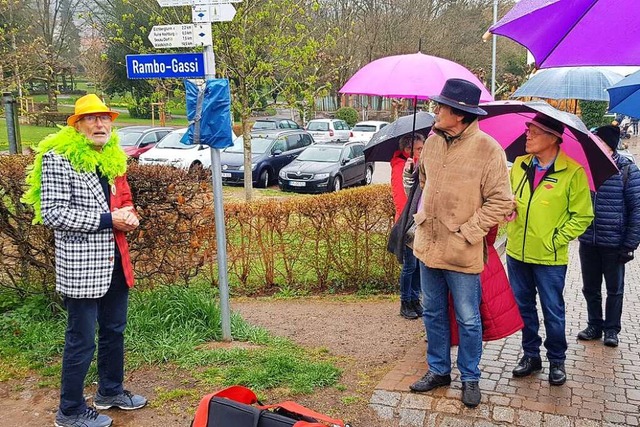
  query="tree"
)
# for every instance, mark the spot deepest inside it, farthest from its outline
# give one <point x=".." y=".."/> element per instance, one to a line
<point x="271" y="45"/>
<point x="57" y="39"/>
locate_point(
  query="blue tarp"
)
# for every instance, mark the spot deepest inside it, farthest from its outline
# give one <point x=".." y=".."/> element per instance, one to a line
<point x="209" y="113"/>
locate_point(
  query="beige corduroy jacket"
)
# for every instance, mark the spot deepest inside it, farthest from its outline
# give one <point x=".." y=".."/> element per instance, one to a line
<point x="466" y="191"/>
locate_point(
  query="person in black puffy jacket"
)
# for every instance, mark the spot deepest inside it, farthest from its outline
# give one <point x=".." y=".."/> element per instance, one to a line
<point x="609" y="242"/>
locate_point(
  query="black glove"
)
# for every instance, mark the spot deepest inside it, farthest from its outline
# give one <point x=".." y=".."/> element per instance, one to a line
<point x="625" y="255"/>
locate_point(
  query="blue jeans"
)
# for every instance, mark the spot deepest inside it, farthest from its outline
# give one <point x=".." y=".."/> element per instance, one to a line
<point x="528" y="280"/>
<point x="409" y="277"/>
<point x="466" y="293"/>
<point x="597" y="262"/>
<point x="110" y="312"/>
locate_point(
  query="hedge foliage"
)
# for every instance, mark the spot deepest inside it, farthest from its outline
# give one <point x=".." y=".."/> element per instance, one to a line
<point x="334" y="242"/>
<point x="348" y="114"/>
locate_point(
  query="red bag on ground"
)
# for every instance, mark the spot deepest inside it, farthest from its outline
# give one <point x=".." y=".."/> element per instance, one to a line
<point x="236" y="407"/>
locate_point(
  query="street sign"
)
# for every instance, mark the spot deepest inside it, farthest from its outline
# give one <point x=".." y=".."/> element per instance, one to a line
<point x="170" y="3"/>
<point x="176" y="3"/>
<point x="165" y="66"/>
<point x="213" y="13"/>
<point x="184" y="35"/>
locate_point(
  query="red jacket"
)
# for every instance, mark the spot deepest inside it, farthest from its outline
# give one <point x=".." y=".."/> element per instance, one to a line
<point x="119" y="199"/>
<point x="498" y="308"/>
<point x="397" y="187"/>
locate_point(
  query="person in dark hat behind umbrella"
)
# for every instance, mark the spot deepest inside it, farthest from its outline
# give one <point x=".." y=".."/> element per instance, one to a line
<point x="553" y="207"/>
<point x="463" y="172"/>
<point x="609" y="243"/>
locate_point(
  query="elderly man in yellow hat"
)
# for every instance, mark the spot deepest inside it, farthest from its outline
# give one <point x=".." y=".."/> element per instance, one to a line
<point x="77" y="186"/>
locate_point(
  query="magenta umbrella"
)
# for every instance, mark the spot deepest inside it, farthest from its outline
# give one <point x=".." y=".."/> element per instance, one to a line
<point x="413" y="76"/>
<point x="506" y="122"/>
<point x="566" y="33"/>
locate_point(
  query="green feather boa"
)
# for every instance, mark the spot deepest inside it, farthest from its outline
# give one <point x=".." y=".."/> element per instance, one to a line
<point x="78" y="149"/>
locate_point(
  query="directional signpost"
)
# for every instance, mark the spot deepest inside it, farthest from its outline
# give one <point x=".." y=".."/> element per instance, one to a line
<point x="204" y="12"/>
<point x="185" y="35"/>
<point x="213" y="12"/>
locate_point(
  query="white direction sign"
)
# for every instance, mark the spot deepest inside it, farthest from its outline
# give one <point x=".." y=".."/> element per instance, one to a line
<point x="175" y="3"/>
<point x="170" y="3"/>
<point x="185" y="35"/>
<point x="213" y="13"/>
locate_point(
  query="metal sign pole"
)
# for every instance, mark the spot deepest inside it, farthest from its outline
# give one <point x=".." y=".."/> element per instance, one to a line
<point x="221" y="235"/>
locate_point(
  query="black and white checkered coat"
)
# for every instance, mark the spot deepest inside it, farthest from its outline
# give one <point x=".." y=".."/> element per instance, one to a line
<point x="71" y="205"/>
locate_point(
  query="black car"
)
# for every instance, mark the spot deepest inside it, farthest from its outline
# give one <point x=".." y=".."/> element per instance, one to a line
<point x="273" y="124"/>
<point x="270" y="152"/>
<point x="327" y="167"/>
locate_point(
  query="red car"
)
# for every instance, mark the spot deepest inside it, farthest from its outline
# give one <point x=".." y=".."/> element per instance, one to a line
<point x="136" y="140"/>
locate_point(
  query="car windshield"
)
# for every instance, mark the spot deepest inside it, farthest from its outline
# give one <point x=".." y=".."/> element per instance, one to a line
<point x="172" y="140"/>
<point x="321" y="154"/>
<point x="263" y="124"/>
<point x="318" y="126"/>
<point x="364" y="128"/>
<point x="258" y="145"/>
<point x="128" y="139"/>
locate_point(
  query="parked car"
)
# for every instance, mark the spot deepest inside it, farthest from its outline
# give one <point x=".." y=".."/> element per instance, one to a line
<point x="270" y="152"/>
<point x="273" y="124"/>
<point x="327" y="167"/>
<point x="328" y="130"/>
<point x="363" y="131"/>
<point x="171" y="152"/>
<point x="136" y="140"/>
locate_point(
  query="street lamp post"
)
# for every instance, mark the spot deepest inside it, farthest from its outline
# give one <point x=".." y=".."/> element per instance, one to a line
<point x="493" y="51"/>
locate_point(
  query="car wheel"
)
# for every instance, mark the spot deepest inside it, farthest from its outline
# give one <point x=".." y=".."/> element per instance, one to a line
<point x="368" y="176"/>
<point x="337" y="183"/>
<point x="263" y="180"/>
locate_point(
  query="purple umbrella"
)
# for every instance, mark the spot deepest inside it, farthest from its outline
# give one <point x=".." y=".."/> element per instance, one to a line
<point x="506" y="122"/>
<point x="565" y="33"/>
<point x="409" y="76"/>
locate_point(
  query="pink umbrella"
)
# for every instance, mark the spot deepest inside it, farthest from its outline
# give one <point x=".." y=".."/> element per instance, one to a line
<point x="413" y="76"/>
<point x="506" y="122"/>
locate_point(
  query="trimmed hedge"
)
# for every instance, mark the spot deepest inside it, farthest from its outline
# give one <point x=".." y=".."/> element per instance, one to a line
<point x="326" y="243"/>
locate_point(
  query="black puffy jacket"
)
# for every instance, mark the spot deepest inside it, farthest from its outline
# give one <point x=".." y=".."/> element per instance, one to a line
<point x="616" y="206"/>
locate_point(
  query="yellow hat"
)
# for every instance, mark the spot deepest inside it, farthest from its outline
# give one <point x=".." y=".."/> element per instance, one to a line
<point x="89" y="104"/>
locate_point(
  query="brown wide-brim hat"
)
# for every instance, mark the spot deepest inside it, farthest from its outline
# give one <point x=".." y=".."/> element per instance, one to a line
<point x="90" y="104"/>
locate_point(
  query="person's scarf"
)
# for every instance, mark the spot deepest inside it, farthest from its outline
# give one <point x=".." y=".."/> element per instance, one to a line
<point x="111" y="161"/>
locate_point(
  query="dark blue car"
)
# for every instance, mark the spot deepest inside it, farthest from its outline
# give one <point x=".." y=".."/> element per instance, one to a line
<point x="270" y="152"/>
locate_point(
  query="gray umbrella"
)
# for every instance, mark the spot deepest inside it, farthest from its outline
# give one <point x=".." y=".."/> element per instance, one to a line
<point x="384" y="143"/>
<point x="587" y="83"/>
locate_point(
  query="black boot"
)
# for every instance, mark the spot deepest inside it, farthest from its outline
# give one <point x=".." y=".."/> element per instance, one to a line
<point x="417" y="307"/>
<point x="407" y="311"/>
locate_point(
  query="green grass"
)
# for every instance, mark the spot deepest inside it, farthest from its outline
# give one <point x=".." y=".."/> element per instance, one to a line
<point x="171" y="324"/>
<point x="31" y="135"/>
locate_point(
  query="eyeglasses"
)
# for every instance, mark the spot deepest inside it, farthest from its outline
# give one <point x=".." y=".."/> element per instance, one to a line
<point x="535" y="134"/>
<point x="104" y="118"/>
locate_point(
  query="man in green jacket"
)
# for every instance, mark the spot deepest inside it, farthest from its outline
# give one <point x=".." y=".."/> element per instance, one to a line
<point x="553" y="207"/>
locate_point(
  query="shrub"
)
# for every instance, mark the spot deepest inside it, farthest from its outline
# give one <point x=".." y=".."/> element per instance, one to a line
<point x="327" y="243"/>
<point x="593" y="113"/>
<point x="348" y="114"/>
<point x="270" y="111"/>
<point x="140" y="109"/>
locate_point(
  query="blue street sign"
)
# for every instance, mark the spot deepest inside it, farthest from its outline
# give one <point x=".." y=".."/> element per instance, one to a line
<point x="165" y="66"/>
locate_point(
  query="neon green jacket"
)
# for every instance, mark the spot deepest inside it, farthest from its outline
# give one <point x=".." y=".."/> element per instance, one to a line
<point x="556" y="212"/>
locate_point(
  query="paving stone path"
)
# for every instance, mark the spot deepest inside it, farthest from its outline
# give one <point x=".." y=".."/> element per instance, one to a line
<point x="602" y="389"/>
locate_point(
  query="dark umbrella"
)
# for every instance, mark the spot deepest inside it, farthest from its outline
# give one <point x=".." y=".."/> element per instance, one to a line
<point x="506" y="122"/>
<point x="384" y="143"/>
